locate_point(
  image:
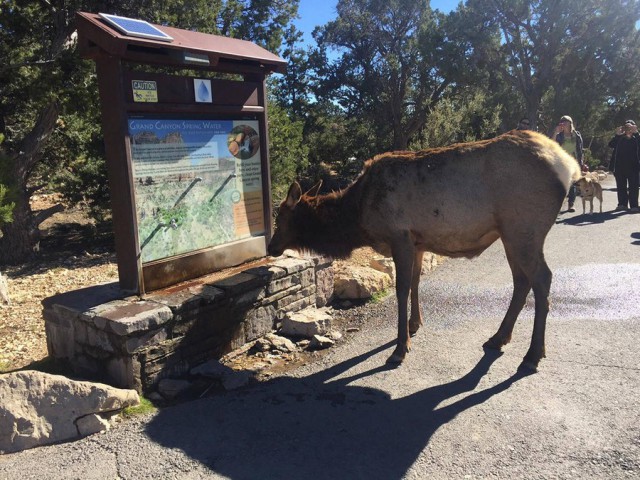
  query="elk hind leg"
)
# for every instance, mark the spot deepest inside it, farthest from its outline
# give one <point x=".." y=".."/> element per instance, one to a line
<point x="415" y="320"/>
<point x="541" y="288"/>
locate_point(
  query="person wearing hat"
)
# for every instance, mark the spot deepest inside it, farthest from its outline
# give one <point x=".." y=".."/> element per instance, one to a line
<point x="524" y="124"/>
<point x="571" y="140"/>
<point x="625" y="165"/>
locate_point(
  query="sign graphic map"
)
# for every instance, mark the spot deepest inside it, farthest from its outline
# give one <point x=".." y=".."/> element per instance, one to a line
<point x="197" y="183"/>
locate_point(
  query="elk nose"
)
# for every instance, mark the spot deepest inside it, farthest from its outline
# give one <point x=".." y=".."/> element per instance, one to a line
<point x="274" y="252"/>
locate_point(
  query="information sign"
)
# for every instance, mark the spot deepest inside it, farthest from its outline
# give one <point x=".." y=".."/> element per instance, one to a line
<point x="197" y="183"/>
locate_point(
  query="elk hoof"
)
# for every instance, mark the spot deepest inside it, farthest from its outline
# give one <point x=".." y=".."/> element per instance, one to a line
<point x="528" y="367"/>
<point x="397" y="357"/>
<point x="493" y="344"/>
<point x="414" y="326"/>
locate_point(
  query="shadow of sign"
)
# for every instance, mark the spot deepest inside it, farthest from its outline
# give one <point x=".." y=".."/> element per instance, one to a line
<point x="316" y="427"/>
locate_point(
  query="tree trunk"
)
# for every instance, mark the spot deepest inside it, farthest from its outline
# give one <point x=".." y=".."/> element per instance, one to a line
<point x="20" y="237"/>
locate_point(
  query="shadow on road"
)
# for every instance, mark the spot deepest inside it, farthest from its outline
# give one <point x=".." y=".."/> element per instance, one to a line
<point x="589" y="218"/>
<point x="319" y="426"/>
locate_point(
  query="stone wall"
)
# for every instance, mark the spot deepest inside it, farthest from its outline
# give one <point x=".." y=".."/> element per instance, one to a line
<point x="134" y="343"/>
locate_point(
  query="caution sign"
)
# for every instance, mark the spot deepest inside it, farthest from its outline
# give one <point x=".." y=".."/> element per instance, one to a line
<point x="145" y="91"/>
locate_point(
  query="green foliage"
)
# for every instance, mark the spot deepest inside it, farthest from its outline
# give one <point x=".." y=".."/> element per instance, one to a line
<point x="386" y="75"/>
<point x="466" y="117"/>
<point x="145" y="407"/>
<point x="337" y="141"/>
<point x="379" y="296"/>
<point x="288" y="152"/>
<point x="6" y="206"/>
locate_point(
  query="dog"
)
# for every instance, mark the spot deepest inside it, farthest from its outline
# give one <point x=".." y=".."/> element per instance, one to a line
<point x="589" y="188"/>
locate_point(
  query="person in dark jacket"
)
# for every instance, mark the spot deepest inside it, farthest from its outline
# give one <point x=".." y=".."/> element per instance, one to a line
<point x="571" y="140"/>
<point x="625" y="165"/>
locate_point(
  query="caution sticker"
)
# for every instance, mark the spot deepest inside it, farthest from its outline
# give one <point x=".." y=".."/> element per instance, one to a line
<point x="145" y="91"/>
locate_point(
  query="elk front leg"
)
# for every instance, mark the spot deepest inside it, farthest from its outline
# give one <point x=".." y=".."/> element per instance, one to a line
<point x="521" y="288"/>
<point x="403" y="257"/>
<point x="415" y="320"/>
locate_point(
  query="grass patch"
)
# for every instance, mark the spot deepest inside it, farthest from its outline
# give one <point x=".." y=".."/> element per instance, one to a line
<point x="379" y="296"/>
<point x="145" y="407"/>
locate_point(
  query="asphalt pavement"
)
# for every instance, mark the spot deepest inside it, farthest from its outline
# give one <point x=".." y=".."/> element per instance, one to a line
<point x="451" y="410"/>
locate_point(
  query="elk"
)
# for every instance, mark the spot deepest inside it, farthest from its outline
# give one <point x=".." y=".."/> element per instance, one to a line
<point x="453" y="201"/>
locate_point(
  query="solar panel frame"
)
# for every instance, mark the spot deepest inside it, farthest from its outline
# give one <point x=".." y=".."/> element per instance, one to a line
<point x="135" y="28"/>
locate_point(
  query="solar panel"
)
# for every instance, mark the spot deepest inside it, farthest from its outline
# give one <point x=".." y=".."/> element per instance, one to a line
<point x="135" y="28"/>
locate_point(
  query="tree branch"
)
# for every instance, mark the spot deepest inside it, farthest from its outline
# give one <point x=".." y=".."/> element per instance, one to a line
<point x="26" y="154"/>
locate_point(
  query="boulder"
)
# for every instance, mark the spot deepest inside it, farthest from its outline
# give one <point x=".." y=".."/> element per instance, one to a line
<point x="306" y="323"/>
<point x="319" y="342"/>
<point x="384" y="265"/>
<point x="271" y="341"/>
<point x="37" y="408"/>
<point x="359" y="283"/>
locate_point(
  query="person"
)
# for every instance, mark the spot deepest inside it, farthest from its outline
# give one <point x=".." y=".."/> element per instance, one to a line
<point x="571" y="140"/>
<point x="625" y="165"/>
<point x="524" y="124"/>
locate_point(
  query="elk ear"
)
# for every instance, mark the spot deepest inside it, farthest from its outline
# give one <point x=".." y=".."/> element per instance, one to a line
<point x="313" y="191"/>
<point x="293" y="197"/>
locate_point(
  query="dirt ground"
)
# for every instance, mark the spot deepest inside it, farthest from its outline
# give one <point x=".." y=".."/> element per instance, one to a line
<point x="68" y="260"/>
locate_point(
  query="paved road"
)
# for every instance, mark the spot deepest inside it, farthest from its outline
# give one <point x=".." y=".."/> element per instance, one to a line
<point x="450" y="411"/>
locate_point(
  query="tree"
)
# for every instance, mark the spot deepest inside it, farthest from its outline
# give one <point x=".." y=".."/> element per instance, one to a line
<point x="385" y="73"/>
<point x="568" y="52"/>
<point x="292" y="89"/>
<point x="287" y="150"/>
<point x="467" y="116"/>
<point x="45" y="90"/>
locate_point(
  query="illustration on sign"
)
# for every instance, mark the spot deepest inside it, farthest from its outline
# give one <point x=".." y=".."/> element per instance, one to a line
<point x="198" y="183"/>
<point x="202" y="90"/>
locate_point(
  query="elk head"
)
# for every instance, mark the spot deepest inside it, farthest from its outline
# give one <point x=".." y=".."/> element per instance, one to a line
<point x="288" y="225"/>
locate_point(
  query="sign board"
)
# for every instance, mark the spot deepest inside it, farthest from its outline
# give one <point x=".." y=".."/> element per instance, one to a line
<point x="197" y="182"/>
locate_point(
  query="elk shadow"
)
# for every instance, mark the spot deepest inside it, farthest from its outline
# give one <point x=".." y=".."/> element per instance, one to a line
<point x="319" y="426"/>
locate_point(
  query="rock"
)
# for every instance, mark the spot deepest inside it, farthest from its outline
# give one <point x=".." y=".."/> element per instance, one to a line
<point x="90" y="424"/>
<point x="211" y="369"/>
<point x="37" y="408"/>
<point x="318" y="342"/>
<point x="359" y="283"/>
<point x="171" y="388"/>
<point x="230" y="378"/>
<point x="335" y="335"/>
<point x="303" y="343"/>
<point x="430" y="261"/>
<point x="236" y="379"/>
<point x="276" y="342"/>
<point x="306" y="323"/>
<point x="4" y="290"/>
<point x="384" y="265"/>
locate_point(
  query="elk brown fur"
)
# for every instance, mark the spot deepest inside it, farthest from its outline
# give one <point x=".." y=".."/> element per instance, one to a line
<point x="453" y="201"/>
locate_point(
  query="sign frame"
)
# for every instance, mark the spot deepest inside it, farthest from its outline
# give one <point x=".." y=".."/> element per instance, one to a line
<point x="121" y="67"/>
